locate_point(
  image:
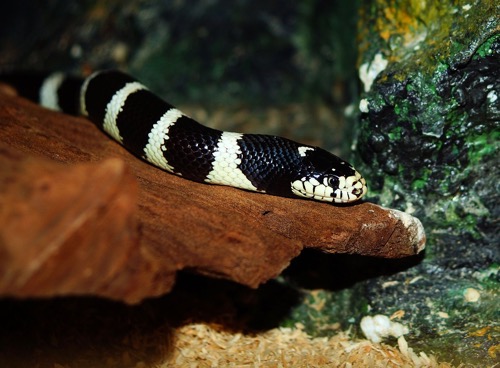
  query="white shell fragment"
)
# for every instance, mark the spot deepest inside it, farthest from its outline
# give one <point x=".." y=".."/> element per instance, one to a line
<point x="369" y="71"/>
<point x="378" y="327"/>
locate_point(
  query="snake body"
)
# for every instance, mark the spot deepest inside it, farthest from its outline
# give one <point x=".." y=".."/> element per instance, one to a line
<point x="157" y="132"/>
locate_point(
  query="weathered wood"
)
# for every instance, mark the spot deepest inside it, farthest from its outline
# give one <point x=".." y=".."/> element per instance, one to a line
<point x="65" y="229"/>
<point x="219" y="231"/>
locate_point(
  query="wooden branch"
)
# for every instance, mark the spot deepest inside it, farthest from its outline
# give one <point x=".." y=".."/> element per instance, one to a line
<point x="92" y="231"/>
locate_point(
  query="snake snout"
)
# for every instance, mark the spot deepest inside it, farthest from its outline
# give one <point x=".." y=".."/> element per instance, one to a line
<point x="357" y="191"/>
<point x="358" y="186"/>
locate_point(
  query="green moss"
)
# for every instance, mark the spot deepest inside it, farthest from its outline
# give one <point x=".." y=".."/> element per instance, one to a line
<point x="418" y="184"/>
<point x="401" y="108"/>
<point x="483" y="145"/>
<point x="456" y="216"/>
<point x="395" y="133"/>
<point x="485" y="48"/>
<point x="411" y="23"/>
<point x="489" y="278"/>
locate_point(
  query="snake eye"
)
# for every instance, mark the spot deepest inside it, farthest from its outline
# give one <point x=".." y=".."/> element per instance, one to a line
<point x="333" y="182"/>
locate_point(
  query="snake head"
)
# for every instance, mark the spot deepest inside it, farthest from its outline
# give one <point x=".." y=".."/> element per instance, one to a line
<point x="326" y="177"/>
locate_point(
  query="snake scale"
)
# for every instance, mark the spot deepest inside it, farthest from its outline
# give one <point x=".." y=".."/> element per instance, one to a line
<point x="157" y="132"/>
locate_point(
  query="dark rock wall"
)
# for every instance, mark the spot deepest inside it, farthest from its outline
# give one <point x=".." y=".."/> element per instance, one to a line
<point x="429" y="138"/>
<point x="284" y="68"/>
<point x="248" y="51"/>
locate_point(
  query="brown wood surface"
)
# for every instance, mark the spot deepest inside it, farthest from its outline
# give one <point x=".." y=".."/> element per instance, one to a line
<point x="80" y="215"/>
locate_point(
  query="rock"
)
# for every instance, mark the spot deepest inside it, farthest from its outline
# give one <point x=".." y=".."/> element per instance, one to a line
<point x="429" y="143"/>
<point x="103" y="233"/>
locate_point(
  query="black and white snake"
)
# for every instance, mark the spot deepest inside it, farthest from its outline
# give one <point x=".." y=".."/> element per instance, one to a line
<point x="157" y="132"/>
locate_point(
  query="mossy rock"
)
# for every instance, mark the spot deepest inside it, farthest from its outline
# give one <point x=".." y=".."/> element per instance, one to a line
<point x="429" y="143"/>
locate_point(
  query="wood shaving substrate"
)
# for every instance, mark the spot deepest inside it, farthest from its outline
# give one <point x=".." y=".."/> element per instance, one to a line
<point x="200" y="345"/>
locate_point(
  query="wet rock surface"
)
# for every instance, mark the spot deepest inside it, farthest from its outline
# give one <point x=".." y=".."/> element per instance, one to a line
<point x="430" y="139"/>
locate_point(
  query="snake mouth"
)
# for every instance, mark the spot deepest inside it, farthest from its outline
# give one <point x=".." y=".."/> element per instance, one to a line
<point x="349" y="189"/>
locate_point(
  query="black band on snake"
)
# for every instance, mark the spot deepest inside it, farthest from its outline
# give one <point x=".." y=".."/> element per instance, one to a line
<point x="157" y="132"/>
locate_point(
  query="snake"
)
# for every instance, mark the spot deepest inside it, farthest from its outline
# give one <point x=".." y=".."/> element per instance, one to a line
<point x="157" y="132"/>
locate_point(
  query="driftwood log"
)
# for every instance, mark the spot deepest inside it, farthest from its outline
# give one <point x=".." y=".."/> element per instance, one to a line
<point x="80" y="215"/>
